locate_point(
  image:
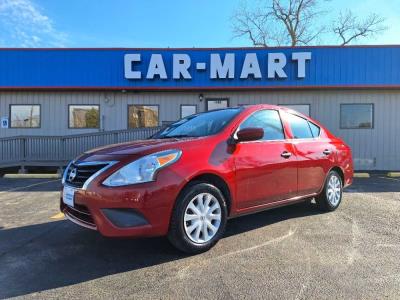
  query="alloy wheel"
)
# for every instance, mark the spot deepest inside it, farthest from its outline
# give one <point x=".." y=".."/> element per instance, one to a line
<point x="202" y="218"/>
<point x="334" y="190"/>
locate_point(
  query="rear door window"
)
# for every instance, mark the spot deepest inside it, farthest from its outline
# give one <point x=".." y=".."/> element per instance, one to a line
<point x="299" y="126"/>
<point x="314" y="129"/>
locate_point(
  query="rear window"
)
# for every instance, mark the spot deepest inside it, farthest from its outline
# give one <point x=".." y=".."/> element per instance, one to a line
<point x="299" y="127"/>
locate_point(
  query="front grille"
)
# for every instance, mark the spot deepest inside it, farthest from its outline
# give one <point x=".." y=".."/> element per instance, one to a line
<point x="77" y="174"/>
<point x="81" y="214"/>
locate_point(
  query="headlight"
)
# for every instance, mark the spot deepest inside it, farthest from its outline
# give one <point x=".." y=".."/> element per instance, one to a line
<point x="144" y="169"/>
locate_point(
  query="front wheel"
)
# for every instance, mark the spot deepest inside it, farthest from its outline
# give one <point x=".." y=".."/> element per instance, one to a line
<point x="199" y="218"/>
<point x="332" y="193"/>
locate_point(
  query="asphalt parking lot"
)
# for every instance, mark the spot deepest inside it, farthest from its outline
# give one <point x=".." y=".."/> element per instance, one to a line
<point x="287" y="253"/>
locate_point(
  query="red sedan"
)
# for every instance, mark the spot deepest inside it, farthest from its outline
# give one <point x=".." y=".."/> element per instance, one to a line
<point x="188" y="179"/>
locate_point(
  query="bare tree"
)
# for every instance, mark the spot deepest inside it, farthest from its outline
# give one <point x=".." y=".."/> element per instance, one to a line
<point x="252" y="24"/>
<point x="279" y="22"/>
<point x="298" y="22"/>
<point x="349" y="28"/>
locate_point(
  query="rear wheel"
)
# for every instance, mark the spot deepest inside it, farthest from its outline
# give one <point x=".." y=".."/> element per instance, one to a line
<point x="331" y="195"/>
<point x="199" y="218"/>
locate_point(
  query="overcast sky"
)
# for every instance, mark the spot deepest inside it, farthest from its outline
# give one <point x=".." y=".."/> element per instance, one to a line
<point x="147" y="23"/>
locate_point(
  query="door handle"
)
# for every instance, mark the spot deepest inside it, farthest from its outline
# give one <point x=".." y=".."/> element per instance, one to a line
<point x="286" y="154"/>
<point x="327" y="151"/>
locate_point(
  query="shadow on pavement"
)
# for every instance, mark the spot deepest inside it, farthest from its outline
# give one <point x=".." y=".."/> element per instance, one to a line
<point x="51" y="255"/>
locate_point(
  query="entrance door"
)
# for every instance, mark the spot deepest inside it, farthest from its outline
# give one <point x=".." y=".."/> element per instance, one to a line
<point x="216" y="104"/>
<point x="266" y="170"/>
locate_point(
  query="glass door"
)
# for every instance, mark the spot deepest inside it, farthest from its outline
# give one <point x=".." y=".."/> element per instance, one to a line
<point x="216" y="104"/>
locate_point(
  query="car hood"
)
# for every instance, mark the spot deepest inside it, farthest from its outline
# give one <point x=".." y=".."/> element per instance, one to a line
<point x="140" y="147"/>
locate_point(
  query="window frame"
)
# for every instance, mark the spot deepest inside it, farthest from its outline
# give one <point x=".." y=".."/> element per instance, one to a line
<point x="261" y="140"/>
<point x="294" y="104"/>
<point x="180" y="109"/>
<point x="352" y="128"/>
<point x="80" y="128"/>
<point x="134" y="104"/>
<point x="319" y="133"/>
<point x="217" y="99"/>
<point x="308" y="125"/>
<point x="10" y="116"/>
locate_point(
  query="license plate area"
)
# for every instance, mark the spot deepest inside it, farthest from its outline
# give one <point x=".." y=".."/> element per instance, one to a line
<point x="68" y="195"/>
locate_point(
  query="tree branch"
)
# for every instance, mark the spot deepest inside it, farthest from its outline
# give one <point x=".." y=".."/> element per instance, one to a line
<point x="296" y="22"/>
<point x="349" y="28"/>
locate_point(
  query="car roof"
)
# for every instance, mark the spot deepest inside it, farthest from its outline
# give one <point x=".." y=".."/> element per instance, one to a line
<point x="254" y="107"/>
<point x="270" y="106"/>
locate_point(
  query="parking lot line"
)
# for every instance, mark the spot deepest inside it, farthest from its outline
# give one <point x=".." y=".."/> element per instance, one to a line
<point x="28" y="186"/>
<point x="58" y="216"/>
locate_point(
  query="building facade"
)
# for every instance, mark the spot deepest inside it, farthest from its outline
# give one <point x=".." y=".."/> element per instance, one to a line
<point x="353" y="91"/>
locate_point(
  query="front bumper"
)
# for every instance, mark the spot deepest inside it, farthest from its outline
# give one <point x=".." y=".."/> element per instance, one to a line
<point x="141" y="210"/>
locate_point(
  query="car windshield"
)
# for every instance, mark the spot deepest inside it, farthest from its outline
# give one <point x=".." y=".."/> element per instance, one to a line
<point x="203" y="124"/>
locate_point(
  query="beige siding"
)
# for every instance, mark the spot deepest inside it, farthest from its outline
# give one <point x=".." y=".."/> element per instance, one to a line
<point x="377" y="148"/>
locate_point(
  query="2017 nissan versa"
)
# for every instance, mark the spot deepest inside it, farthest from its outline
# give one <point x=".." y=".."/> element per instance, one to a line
<point x="189" y="178"/>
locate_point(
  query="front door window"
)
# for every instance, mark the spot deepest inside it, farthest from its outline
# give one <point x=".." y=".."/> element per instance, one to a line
<point x="269" y="121"/>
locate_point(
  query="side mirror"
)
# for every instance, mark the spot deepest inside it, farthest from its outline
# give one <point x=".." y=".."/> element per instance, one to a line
<point x="249" y="134"/>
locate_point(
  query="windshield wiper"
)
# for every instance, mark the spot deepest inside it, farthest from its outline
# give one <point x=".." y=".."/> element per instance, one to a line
<point x="176" y="136"/>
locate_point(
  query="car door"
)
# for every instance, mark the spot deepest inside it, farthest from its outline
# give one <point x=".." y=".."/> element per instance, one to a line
<point x="266" y="169"/>
<point x="313" y="154"/>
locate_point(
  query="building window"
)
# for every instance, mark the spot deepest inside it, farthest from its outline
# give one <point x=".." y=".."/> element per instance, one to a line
<point x="25" y="116"/>
<point x="301" y="108"/>
<point x="84" y="116"/>
<point x="217" y="103"/>
<point x="187" y="110"/>
<point x="356" y="116"/>
<point x="142" y="116"/>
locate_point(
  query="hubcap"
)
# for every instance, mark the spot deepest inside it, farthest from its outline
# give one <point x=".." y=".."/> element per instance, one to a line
<point x="334" y="190"/>
<point x="202" y="218"/>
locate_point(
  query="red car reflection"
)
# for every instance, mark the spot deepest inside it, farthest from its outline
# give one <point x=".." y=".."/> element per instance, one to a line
<point x="189" y="178"/>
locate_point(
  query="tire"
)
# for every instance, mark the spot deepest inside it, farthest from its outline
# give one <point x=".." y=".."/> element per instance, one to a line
<point x="332" y="193"/>
<point x="198" y="205"/>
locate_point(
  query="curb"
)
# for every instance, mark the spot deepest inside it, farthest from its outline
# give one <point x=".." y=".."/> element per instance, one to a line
<point x="32" y="176"/>
<point x="393" y="174"/>
<point x="361" y="175"/>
